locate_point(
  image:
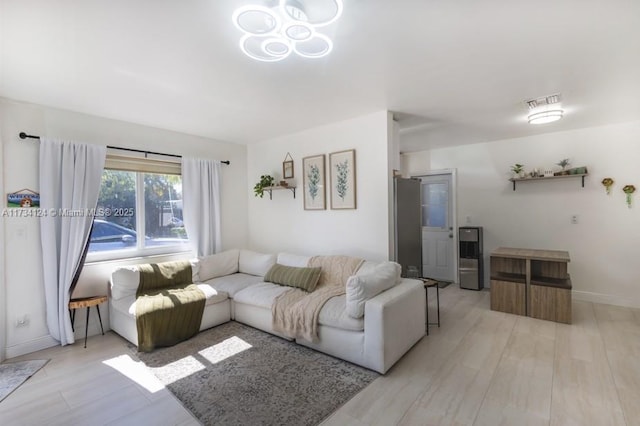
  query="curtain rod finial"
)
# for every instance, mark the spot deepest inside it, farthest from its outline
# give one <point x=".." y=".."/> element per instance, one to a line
<point x="22" y="135"/>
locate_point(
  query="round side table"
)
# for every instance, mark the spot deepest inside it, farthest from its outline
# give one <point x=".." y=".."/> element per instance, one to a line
<point x="86" y="302"/>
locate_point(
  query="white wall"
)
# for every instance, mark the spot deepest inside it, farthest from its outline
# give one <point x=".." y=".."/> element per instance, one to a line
<point x="282" y="224"/>
<point x="3" y="298"/>
<point x="415" y="163"/>
<point x="394" y="165"/>
<point x="605" y="244"/>
<point x="23" y="275"/>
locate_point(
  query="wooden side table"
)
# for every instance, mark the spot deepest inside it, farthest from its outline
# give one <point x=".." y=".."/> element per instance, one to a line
<point x="86" y="302"/>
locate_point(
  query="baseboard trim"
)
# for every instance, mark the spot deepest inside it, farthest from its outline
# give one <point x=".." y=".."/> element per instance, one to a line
<point x="34" y="345"/>
<point x="607" y="299"/>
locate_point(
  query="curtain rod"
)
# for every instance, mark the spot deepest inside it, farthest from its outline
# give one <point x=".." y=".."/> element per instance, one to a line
<point x="23" y="135"/>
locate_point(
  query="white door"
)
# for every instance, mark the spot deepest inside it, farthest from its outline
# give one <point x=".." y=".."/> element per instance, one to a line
<point x="438" y="237"/>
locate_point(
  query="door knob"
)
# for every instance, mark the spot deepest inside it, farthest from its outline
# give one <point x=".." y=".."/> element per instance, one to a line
<point x="450" y="235"/>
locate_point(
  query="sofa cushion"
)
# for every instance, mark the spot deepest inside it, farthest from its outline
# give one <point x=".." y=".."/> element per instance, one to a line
<point x="251" y="262"/>
<point x="262" y="294"/>
<point x="294" y="276"/>
<point x="212" y="295"/>
<point x="334" y="314"/>
<point x="231" y="284"/>
<point x="288" y="259"/>
<point x="360" y="288"/>
<point x="218" y="265"/>
<point x="124" y="282"/>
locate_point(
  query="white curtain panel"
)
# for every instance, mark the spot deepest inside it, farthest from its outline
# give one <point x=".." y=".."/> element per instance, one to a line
<point x="70" y="175"/>
<point x="201" y="204"/>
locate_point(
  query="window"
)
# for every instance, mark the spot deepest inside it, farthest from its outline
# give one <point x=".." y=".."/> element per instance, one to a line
<point x="435" y="204"/>
<point x="139" y="202"/>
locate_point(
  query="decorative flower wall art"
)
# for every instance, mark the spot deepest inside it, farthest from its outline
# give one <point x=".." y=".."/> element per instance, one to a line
<point x="608" y="183"/>
<point x="629" y="189"/>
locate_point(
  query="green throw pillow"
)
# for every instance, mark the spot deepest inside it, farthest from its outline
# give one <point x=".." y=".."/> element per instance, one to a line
<point x="293" y="276"/>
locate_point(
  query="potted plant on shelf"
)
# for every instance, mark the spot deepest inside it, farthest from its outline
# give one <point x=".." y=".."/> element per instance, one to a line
<point x="563" y="163"/>
<point x="265" y="182"/>
<point x="518" y="170"/>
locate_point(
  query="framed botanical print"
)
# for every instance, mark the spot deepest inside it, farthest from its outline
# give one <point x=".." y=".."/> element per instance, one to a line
<point x="342" y="172"/>
<point x="313" y="177"/>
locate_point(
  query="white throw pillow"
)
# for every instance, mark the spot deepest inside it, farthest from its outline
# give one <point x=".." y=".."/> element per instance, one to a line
<point x="361" y="288"/>
<point x="124" y="282"/>
<point x="367" y="267"/>
<point x="296" y="260"/>
<point x="218" y="265"/>
<point x="253" y="263"/>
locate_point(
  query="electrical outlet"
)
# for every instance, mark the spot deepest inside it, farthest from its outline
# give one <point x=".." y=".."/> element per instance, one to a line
<point x="574" y="219"/>
<point x="20" y="232"/>
<point x="22" y="321"/>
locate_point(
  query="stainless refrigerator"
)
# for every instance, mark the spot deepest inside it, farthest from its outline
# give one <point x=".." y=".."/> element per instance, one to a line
<point x="408" y="226"/>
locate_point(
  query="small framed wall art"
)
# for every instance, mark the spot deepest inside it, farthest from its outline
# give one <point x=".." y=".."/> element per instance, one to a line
<point x="287" y="167"/>
<point x="342" y="166"/>
<point x="313" y="176"/>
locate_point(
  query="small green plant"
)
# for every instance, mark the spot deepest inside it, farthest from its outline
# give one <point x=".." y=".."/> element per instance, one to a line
<point x="265" y="181"/>
<point x="563" y="163"/>
<point x="517" y="168"/>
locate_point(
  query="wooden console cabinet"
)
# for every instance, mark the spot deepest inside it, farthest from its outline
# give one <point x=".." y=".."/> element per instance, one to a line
<point x="531" y="282"/>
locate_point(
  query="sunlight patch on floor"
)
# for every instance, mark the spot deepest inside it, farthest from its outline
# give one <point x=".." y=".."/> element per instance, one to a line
<point x="225" y="349"/>
<point x="136" y="371"/>
<point x="179" y="369"/>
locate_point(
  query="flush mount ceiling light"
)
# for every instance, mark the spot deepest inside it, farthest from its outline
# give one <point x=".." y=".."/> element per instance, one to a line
<point x="545" y="110"/>
<point x="272" y="33"/>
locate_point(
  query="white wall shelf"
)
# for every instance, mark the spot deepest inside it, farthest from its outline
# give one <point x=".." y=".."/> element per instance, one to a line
<point x="538" y="179"/>
<point x="269" y="189"/>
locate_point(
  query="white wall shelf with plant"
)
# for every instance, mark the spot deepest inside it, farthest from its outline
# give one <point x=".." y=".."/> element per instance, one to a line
<point x="267" y="183"/>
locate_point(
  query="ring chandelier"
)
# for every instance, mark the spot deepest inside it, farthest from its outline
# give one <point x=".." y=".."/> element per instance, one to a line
<point x="271" y="34"/>
<point x="546" y="109"/>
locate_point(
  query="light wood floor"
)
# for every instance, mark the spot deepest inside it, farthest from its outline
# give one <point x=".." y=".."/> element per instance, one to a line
<point x="481" y="367"/>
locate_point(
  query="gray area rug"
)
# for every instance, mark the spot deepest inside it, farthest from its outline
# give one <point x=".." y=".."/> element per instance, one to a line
<point x="13" y="374"/>
<point x="236" y="375"/>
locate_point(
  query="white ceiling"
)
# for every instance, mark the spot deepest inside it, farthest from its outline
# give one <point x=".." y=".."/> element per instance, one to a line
<point x="458" y="71"/>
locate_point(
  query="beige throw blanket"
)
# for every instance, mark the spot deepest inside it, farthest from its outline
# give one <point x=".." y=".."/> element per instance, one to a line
<point x="295" y="312"/>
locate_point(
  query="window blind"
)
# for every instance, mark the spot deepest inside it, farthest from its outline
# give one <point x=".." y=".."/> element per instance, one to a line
<point x="145" y="165"/>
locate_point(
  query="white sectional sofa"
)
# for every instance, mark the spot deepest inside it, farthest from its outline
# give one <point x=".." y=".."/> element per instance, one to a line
<point x="393" y="321"/>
